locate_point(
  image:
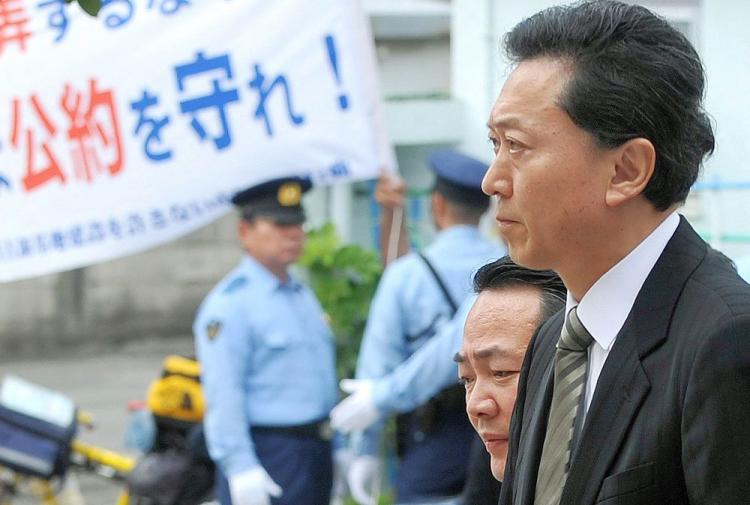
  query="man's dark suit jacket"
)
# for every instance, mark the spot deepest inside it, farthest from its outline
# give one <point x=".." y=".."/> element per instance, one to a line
<point x="669" y="422"/>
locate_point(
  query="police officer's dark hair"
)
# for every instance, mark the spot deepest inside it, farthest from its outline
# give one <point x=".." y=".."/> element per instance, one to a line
<point x="504" y="272"/>
<point x="466" y="212"/>
<point x="633" y="76"/>
<point x="248" y="215"/>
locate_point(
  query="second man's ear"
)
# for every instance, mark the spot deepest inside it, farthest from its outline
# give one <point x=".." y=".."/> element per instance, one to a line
<point x="634" y="167"/>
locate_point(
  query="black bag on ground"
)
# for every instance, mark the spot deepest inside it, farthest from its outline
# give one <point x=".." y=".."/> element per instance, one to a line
<point x="170" y="477"/>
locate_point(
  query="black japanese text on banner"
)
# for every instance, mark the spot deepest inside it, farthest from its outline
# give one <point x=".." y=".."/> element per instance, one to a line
<point x="125" y="131"/>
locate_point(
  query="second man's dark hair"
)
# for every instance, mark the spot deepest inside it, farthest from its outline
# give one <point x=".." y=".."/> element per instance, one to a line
<point x="504" y="272"/>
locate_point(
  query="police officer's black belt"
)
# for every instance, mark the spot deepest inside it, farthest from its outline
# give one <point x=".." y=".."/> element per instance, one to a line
<point x="319" y="429"/>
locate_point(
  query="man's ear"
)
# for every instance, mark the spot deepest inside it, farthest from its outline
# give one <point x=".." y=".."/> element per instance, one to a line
<point x="634" y="166"/>
<point x="243" y="230"/>
<point x="438" y="203"/>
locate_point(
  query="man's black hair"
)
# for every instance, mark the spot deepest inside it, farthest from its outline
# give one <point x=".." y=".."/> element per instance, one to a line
<point x="504" y="272"/>
<point x="632" y="76"/>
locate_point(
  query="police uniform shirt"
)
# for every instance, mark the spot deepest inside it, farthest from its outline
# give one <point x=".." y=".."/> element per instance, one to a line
<point x="267" y="359"/>
<point x="427" y="371"/>
<point x="409" y="307"/>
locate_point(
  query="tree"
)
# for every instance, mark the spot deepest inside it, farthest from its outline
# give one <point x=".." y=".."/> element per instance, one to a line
<point x="344" y="278"/>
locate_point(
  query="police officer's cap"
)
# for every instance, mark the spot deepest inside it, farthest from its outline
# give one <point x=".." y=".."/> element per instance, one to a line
<point x="279" y="200"/>
<point x="458" y="177"/>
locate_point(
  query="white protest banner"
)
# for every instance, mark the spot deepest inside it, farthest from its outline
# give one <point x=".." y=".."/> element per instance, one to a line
<point x="125" y="131"/>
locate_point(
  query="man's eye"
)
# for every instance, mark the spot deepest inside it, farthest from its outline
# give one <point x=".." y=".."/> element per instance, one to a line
<point x="502" y="374"/>
<point x="464" y="381"/>
<point x="513" y="145"/>
<point x="494" y="143"/>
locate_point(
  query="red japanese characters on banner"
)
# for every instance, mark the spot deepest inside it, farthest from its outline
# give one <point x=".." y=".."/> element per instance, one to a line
<point x="95" y="131"/>
<point x="92" y="132"/>
<point x="14" y="24"/>
<point x="36" y="173"/>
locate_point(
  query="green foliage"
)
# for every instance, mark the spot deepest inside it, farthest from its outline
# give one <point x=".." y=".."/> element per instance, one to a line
<point x="91" y="7"/>
<point x="344" y="278"/>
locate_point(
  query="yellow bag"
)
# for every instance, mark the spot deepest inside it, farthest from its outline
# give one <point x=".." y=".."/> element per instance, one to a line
<point x="177" y="395"/>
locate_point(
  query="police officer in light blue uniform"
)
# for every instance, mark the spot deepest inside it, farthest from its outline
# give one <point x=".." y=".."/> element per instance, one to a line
<point x="267" y="357"/>
<point x="418" y="295"/>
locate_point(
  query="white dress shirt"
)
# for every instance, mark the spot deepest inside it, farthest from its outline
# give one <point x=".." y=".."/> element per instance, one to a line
<point x="606" y="305"/>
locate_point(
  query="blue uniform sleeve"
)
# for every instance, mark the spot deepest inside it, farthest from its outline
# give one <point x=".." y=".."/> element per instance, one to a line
<point x="223" y="345"/>
<point x="427" y="371"/>
<point x="383" y="345"/>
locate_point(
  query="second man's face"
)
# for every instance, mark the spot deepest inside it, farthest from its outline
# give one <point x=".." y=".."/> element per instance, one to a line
<point x="496" y="335"/>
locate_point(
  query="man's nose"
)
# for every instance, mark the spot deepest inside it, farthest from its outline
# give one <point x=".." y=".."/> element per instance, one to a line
<point x="481" y="404"/>
<point x="497" y="180"/>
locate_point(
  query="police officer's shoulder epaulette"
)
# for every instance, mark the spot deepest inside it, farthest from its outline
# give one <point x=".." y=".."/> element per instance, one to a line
<point x="235" y="284"/>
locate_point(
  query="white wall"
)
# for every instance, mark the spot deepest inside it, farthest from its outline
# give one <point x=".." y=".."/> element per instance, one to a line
<point x="725" y="47"/>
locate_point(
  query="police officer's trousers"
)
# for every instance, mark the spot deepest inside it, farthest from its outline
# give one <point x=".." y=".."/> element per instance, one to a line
<point x="301" y="465"/>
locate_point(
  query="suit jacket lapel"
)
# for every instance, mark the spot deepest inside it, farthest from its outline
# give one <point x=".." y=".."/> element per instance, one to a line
<point x="618" y="396"/>
<point x="624" y="382"/>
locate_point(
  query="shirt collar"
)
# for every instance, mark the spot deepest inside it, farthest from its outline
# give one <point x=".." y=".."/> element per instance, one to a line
<point x="264" y="278"/>
<point x="606" y="305"/>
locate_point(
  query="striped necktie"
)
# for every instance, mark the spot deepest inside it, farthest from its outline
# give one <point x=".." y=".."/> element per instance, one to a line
<point x="570" y="378"/>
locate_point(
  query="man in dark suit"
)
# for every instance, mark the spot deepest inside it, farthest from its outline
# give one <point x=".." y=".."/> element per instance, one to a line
<point x="639" y="392"/>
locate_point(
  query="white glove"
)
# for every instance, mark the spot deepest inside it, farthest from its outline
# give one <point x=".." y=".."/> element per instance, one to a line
<point x="342" y="461"/>
<point x="253" y="487"/>
<point x="356" y="412"/>
<point x="364" y="480"/>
